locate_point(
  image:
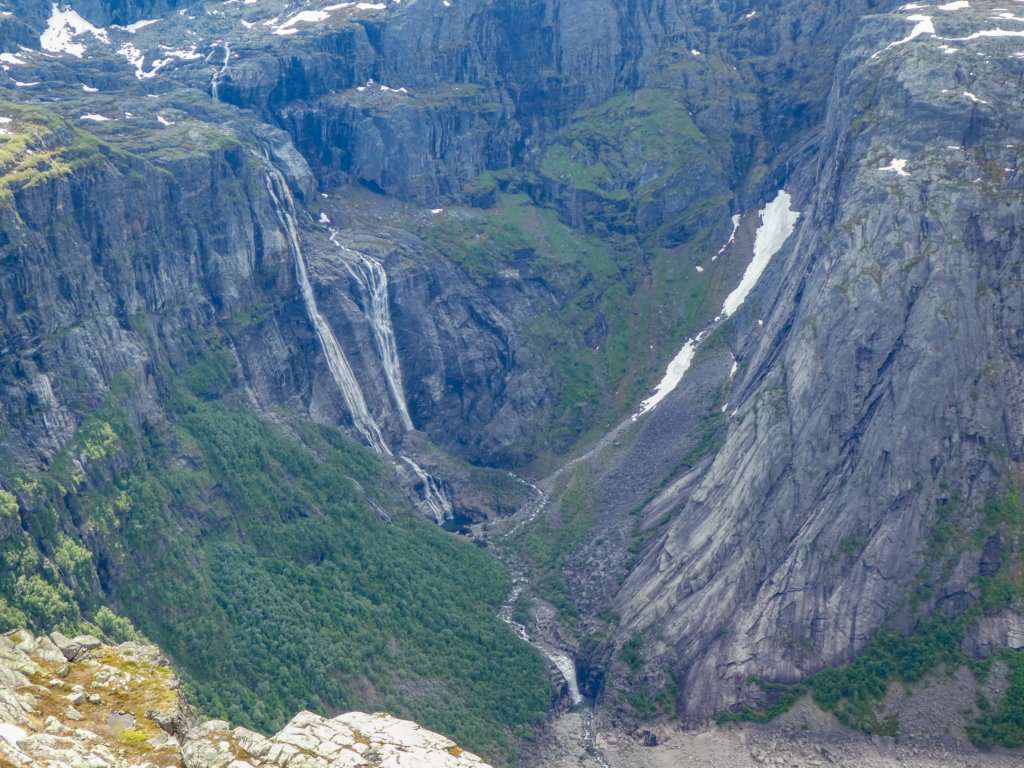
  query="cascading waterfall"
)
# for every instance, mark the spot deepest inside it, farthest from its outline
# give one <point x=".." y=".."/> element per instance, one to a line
<point x="338" y="364"/>
<point x="218" y="74"/>
<point x="373" y="281"/>
<point x="435" y="497"/>
<point x="369" y="274"/>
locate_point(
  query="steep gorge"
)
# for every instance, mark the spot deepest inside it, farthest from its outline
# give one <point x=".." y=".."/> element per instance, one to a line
<point x="472" y="235"/>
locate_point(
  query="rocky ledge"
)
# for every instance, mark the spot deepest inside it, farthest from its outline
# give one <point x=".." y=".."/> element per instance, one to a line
<point x="77" y="703"/>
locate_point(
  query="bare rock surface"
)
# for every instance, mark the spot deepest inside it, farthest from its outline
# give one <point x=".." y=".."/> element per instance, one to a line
<point x="120" y="707"/>
<point x="825" y="743"/>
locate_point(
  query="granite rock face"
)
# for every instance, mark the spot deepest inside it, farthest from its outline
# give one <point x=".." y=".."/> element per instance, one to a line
<point x="878" y="381"/>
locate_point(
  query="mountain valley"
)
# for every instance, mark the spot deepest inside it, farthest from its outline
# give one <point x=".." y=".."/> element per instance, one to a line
<point x="348" y="346"/>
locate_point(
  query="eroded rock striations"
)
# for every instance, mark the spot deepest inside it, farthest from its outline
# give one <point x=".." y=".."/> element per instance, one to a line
<point x="875" y="404"/>
<point x="76" y="702"/>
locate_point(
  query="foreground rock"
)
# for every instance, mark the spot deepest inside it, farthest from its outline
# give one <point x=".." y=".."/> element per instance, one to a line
<point x="121" y="706"/>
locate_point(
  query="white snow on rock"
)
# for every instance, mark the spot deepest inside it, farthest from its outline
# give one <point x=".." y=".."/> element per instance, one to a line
<point x="302" y="17"/>
<point x="991" y="33"/>
<point x="12" y="58"/>
<point x="777" y="224"/>
<point x="924" y="26"/>
<point x="142" y="24"/>
<point x="63" y="27"/>
<point x="898" y="165"/>
<point x="676" y="370"/>
<point x="94" y="117"/>
<point x="137" y="59"/>
<point x="89" y="88"/>
<point x="317" y="17"/>
<point x="732" y="236"/>
<point x="956" y="5"/>
<point x="971" y="97"/>
<point x="324" y="218"/>
<point x="164" y="121"/>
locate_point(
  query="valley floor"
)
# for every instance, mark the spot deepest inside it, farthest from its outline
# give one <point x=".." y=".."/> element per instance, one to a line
<point x="752" y="746"/>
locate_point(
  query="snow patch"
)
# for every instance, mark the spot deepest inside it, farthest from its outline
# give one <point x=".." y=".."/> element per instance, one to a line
<point x="732" y="236"/>
<point x="898" y="165"/>
<point x="12" y="58"/>
<point x="777" y="224"/>
<point x="89" y="88"/>
<point x="956" y="5"/>
<point x="924" y="26"/>
<point x="164" y="121"/>
<point x="990" y="33"/>
<point x="63" y="27"/>
<point x="133" y="28"/>
<point x="676" y="370"/>
<point x="317" y="17"/>
<point x="137" y="59"/>
<point x="26" y="85"/>
<point x="971" y="97"/>
<point x="699" y="268"/>
<point x="94" y="117"/>
<point x="324" y="218"/>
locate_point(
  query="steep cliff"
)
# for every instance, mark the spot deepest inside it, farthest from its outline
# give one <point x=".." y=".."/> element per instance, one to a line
<point x="872" y="413"/>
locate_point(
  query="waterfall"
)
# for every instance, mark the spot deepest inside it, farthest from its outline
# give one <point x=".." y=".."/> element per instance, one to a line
<point x="565" y="665"/>
<point x="218" y="74"/>
<point x="435" y="497"/>
<point x="338" y="364"/>
<point x="373" y="281"/>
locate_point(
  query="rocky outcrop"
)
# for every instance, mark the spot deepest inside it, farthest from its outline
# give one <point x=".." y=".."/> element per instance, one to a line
<point x="120" y="706"/>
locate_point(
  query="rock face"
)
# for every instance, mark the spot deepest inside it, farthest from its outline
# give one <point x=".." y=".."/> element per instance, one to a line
<point x="120" y="706"/>
<point x="877" y="400"/>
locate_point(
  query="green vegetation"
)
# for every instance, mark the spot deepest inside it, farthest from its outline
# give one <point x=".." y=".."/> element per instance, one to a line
<point x="37" y="145"/>
<point x="256" y="559"/>
<point x="1003" y="725"/>
<point x="552" y="538"/>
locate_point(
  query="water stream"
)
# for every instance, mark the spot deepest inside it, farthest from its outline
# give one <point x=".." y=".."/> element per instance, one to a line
<point x="369" y="274"/>
<point x="338" y="364"/>
<point x="218" y="74"/>
<point x="435" y="497"/>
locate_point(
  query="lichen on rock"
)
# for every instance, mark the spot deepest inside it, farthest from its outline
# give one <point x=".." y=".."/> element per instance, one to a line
<point x="79" y="703"/>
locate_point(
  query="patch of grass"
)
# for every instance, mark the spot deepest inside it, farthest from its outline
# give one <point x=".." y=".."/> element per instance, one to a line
<point x="551" y="539"/>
